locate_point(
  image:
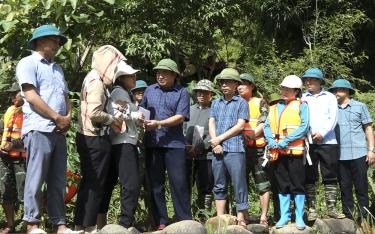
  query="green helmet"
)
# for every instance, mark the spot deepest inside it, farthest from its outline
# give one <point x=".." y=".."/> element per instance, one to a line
<point x="273" y="98"/>
<point x="247" y="77"/>
<point x="167" y="64"/>
<point x="229" y="74"/>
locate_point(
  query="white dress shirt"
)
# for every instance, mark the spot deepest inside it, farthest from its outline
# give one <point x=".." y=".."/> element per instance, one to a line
<point x="323" y="115"/>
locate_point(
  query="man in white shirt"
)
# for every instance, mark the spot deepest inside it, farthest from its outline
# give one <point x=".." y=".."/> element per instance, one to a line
<point x="323" y="143"/>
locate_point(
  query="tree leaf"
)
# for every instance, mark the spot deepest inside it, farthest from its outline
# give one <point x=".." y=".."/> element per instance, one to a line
<point x="110" y="1"/>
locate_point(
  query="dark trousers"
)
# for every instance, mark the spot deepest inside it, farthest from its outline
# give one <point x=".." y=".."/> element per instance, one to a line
<point x="94" y="154"/>
<point x="172" y="160"/>
<point x="289" y="172"/>
<point x="327" y="156"/>
<point x="123" y="165"/>
<point x="200" y="173"/>
<point x="354" y="172"/>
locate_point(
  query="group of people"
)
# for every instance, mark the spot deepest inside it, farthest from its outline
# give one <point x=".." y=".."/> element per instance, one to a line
<point x="280" y="142"/>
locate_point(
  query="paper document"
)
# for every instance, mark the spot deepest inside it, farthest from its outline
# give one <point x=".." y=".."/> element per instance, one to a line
<point x="146" y="113"/>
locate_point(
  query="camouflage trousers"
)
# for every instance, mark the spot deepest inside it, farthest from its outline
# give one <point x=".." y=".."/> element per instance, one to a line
<point x="12" y="181"/>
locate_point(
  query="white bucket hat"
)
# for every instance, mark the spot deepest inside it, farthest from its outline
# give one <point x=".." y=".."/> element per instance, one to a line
<point x="123" y="69"/>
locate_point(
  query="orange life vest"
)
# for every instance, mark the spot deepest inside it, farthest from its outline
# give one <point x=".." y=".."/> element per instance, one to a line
<point x="254" y="114"/>
<point x="281" y="127"/>
<point x="13" y="119"/>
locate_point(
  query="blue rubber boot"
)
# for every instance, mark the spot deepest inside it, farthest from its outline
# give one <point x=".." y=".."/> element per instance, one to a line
<point x="299" y="203"/>
<point x="284" y="210"/>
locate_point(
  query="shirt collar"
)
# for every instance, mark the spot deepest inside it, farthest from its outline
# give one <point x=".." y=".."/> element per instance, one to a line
<point x="39" y="57"/>
<point x="200" y="107"/>
<point x="322" y="92"/>
<point x="234" y="98"/>
<point x="174" y="88"/>
<point x="350" y="103"/>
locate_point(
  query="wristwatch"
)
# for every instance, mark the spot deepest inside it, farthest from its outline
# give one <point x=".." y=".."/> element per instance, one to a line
<point x="159" y="126"/>
<point x="372" y="149"/>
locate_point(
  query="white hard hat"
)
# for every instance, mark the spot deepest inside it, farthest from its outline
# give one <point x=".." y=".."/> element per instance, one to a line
<point x="292" y="81"/>
<point x="123" y="68"/>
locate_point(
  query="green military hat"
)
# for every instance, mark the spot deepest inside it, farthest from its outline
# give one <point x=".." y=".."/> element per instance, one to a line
<point x="274" y="98"/>
<point x="44" y="31"/>
<point x="167" y="64"/>
<point x="229" y="74"/>
<point x="14" y="88"/>
<point x="247" y="77"/>
<point x="343" y="84"/>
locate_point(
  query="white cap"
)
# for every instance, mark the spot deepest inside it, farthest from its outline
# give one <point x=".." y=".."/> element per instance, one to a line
<point x="123" y="69"/>
<point x="292" y="81"/>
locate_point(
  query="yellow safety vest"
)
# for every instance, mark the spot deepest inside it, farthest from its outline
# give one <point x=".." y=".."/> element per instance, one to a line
<point x="13" y="119"/>
<point x="289" y="120"/>
<point x="254" y="114"/>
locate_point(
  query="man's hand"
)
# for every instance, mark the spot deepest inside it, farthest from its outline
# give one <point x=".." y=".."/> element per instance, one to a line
<point x="151" y="124"/>
<point x="317" y="137"/>
<point x="6" y="147"/>
<point x="215" y="141"/>
<point x="63" y="123"/>
<point x="217" y="149"/>
<point x="370" y="158"/>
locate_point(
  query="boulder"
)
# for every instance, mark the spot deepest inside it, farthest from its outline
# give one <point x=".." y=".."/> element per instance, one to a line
<point x="291" y="229"/>
<point x="258" y="228"/>
<point x="186" y="226"/>
<point x="218" y="222"/>
<point x="335" y="226"/>
<point x="133" y="230"/>
<point x="114" y="228"/>
<point x="235" y="229"/>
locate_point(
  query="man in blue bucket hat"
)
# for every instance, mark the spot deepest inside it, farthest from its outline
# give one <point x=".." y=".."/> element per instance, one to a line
<point x="46" y="120"/>
<point x="357" y="152"/>
<point x="323" y="150"/>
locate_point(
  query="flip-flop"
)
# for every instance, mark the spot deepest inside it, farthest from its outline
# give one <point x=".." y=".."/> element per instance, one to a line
<point x="243" y="223"/>
<point x="263" y="222"/>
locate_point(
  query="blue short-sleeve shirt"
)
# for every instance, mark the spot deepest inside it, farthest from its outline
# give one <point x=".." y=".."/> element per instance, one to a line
<point x="226" y="115"/>
<point x="351" y="136"/>
<point x="49" y="82"/>
<point x="163" y="104"/>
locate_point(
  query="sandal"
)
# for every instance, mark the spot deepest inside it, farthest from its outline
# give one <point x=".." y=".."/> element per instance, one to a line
<point x="263" y="222"/>
<point x="8" y="229"/>
<point x="243" y="223"/>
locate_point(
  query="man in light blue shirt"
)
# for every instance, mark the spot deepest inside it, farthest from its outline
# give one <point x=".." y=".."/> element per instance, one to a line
<point x="46" y="119"/>
<point x="356" y="138"/>
<point x="323" y="143"/>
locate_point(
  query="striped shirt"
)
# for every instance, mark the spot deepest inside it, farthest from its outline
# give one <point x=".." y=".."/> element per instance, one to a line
<point x="226" y="115"/>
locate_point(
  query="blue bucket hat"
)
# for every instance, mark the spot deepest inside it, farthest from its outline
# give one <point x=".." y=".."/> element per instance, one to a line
<point x="139" y="84"/>
<point x="43" y="31"/>
<point x="314" y="73"/>
<point x="342" y="84"/>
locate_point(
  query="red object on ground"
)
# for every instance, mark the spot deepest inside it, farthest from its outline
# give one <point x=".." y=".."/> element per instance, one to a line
<point x="71" y="190"/>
